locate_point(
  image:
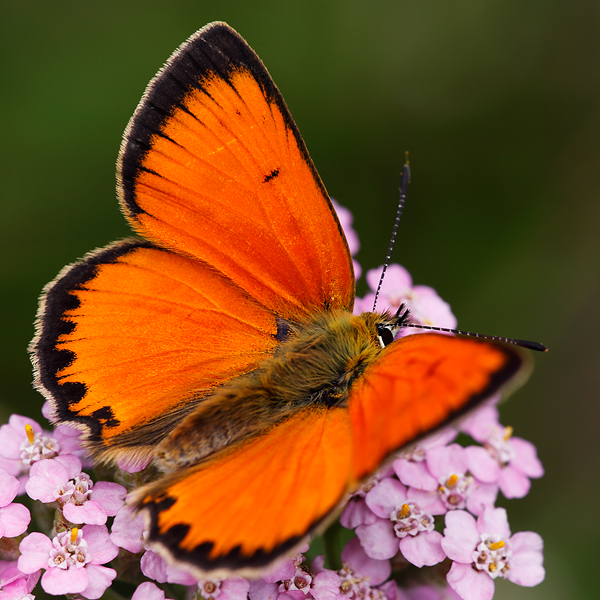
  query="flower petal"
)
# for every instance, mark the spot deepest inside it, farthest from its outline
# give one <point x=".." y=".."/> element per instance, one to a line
<point x="100" y="546"/>
<point x="446" y="460"/>
<point x="35" y="550"/>
<point x="460" y="536"/>
<point x="482" y="464"/>
<point x="148" y="591"/>
<point x="60" y="581"/>
<point x="424" y="549"/>
<point x="45" y="477"/>
<point x="494" y="521"/>
<point x="415" y="475"/>
<point x="128" y="529"/>
<point x="133" y="465"/>
<point x="526" y="459"/>
<point x="356" y="512"/>
<point x="15" y="519"/>
<point x="483" y="496"/>
<point x="262" y="590"/>
<point x="9" y="487"/>
<point x="71" y="463"/>
<point x="388" y="494"/>
<point x="469" y="583"/>
<point x="90" y="512"/>
<point x="234" y="588"/>
<point x="110" y="496"/>
<point x="527" y="558"/>
<point x="99" y="579"/>
<point x="154" y="566"/>
<point x="378" y="539"/>
<point x="513" y="483"/>
<point x="481" y="423"/>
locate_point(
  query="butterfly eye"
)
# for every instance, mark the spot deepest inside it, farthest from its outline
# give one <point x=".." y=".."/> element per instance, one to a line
<point x="385" y="335"/>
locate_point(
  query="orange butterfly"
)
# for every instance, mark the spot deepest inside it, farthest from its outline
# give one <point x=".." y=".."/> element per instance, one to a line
<point x="222" y="344"/>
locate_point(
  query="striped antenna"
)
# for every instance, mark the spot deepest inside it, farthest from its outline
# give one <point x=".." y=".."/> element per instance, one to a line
<point x="403" y="190"/>
<point x="521" y="343"/>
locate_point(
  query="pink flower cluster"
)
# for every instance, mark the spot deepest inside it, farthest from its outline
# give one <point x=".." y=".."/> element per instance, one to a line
<point x="397" y="514"/>
<point x="432" y="511"/>
<point x="50" y="471"/>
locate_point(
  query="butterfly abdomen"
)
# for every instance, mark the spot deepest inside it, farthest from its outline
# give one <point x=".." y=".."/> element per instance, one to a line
<point x="315" y="367"/>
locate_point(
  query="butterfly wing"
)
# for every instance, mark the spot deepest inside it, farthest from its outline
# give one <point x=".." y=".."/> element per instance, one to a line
<point x="213" y="165"/>
<point x="252" y="502"/>
<point x="418" y="384"/>
<point x="132" y="337"/>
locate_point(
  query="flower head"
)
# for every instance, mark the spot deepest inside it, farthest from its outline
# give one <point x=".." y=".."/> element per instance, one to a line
<point x="484" y="550"/>
<point x="72" y="560"/>
<point x="61" y="479"/>
<point x="403" y="524"/>
<point x="509" y="460"/>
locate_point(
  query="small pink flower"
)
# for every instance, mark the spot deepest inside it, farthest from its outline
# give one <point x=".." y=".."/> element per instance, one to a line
<point x="484" y="550"/>
<point x="403" y="524"/>
<point x="286" y="568"/>
<point x="15" y="585"/>
<point x="72" y="560"/>
<point x="356" y="512"/>
<point x="301" y="583"/>
<point x="60" y="479"/>
<point x="14" y="517"/>
<point x="457" y="487"/>
<point x="511" y="460"/>
<point x="23" y="442"/>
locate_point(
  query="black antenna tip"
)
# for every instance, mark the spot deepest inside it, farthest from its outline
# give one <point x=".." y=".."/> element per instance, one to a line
<point x="531" y="345"/>
<point x="405" y="178"/>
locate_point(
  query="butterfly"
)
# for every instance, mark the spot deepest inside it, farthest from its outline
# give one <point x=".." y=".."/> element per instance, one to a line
<point x="220" y="343"/>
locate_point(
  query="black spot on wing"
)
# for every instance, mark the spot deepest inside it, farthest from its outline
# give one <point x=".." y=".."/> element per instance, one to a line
<point x="274" y="173"/>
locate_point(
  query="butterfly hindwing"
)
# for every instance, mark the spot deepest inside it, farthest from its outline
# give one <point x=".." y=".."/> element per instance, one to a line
<point x="212" y="165"/>
<point x="249" y="504"/>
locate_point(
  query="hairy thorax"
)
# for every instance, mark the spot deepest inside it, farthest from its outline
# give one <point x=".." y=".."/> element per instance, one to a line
<point x="315" y="364"/>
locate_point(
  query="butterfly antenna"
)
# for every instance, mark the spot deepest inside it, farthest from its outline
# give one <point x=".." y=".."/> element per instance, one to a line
<point x="521" y="343"/>
<point x="403" y="190"/>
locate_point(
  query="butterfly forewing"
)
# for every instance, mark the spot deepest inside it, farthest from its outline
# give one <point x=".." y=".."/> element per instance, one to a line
<point x="420" y="383"/>
<point x="213" y="165"/>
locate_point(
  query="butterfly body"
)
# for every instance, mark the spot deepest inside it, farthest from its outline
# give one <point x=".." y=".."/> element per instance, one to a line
<point x="315" y="365"/>
<point x="221" y="344"/>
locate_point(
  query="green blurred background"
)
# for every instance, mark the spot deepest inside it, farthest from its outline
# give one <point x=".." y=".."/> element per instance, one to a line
<point x="499" y="105"/>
